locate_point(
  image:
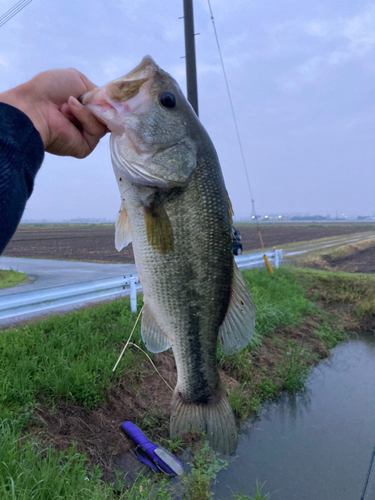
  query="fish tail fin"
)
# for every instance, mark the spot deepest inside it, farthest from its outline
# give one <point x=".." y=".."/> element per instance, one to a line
<point x="216" y="419"/>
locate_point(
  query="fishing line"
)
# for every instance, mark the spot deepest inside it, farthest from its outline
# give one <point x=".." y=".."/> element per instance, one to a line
<point x="127" y="343"/>
<point x="157" y="371"/>
<point x="144" y="352"/>
<point x="370" y="475"/>
<point x="13" y="11"/>
<point x="238" y="137"/>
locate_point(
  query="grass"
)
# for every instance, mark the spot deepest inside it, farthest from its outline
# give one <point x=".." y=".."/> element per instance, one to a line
<point x="338" y="287"/>
<point x="11" y="278"/>
<point x="70" y="358"/>
<point x="67" y="357"/>
<point x="280" y="300"/>
<point x="350" y="248"/>
<point x="322" y="257"/>
<point x="257" y="494"/>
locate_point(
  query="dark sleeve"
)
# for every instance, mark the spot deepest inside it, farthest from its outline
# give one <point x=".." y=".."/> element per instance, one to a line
<point x="21" y="154"/>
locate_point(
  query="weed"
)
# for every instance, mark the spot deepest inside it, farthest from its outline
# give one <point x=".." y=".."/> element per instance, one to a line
<point x="204" y="469"/>
<point x="257" y="494"/>
<point x="239" y="402"/>
<point x="329" y="336"/>
<point x="11" y="278"/>
<point x="174" y="445"/>
<point x="267" y="388"/>
<point x="340" y="287"/>
<point x="280" y="300"/>
<point x="293" y="369"/>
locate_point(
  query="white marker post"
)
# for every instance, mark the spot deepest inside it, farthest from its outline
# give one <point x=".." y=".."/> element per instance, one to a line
<point x="133" y="295"/>
<point x="276" y="259"/>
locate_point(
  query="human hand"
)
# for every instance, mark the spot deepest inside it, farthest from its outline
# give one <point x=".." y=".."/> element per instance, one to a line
<point x="67" y="128"/>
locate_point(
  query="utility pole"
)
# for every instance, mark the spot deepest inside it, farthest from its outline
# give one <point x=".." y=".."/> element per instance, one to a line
<point x="191" y="68"/>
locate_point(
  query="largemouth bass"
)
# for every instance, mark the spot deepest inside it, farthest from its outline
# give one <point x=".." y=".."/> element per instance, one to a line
<point x="175" y="210"/>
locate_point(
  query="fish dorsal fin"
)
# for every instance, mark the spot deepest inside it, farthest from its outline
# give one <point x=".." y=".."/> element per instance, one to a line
<point x="239" y="323"/>
<point x="123" y="230"/>
<point x="152" y="336"/>
<point x="230" y="209"/>
<point x="158" y="229"/>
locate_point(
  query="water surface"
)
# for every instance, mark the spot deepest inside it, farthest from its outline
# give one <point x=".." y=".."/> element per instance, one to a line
<point x="315" y="445"/>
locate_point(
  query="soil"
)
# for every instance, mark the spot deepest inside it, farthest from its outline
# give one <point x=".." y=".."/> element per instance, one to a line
<point x="97" y="431"/>
<point x="95" y="243"/>
<point x="362" y="261"/>
<point x="147" y="403"/>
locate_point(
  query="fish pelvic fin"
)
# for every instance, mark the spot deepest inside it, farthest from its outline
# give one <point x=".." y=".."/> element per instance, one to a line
<point x="152" y="336"/>
<point x="238" y="326"/>
<point x="158" y="229"/>
<point x="216" y="419"/>
<point x="123" y="230"/>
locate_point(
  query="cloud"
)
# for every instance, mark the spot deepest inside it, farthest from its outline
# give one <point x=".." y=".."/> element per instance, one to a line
<point x="356" y="34"/>
<point x="342" y="40"/>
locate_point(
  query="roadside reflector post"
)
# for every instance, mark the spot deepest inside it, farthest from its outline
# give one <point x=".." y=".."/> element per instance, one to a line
<point x="133" y="295"/>
<point x="276" y="258"/>
<point x="268" y="265"/>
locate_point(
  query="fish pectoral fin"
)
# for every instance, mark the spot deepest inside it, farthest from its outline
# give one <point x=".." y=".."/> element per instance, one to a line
<point x="123" y="230"/>
<point x="239" y="323"/>
<point x="158" y="229"/>
<point x="175" y="163"/>
<point x="152" y="336"/>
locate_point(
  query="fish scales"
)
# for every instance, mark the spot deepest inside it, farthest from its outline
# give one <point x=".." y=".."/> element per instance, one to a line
<point x="175" y="209"/>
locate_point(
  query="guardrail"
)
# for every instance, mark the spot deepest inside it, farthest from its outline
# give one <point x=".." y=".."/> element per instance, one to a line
<point x="41" y="300"/>
<point x="256" y="259"/>
<point x="18" y="304"/>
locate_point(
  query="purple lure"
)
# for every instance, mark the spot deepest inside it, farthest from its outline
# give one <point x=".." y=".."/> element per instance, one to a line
<point x="152" y="455"/>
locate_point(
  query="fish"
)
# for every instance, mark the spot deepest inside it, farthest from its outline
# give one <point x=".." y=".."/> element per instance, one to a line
<point x="176" y="211"/>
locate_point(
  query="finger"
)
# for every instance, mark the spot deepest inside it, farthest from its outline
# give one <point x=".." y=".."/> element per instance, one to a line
<point x="65" y="110"/>
<point x="86" y="140"/>
<point x="91" y="125"/>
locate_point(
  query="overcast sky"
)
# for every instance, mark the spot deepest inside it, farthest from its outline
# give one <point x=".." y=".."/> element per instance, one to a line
<point x="302" y="76"/>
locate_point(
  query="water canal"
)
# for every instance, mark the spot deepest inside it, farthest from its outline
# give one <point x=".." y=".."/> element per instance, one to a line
<point x="315" y="445"/>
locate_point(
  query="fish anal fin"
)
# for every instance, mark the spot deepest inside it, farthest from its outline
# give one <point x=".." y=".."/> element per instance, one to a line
<point x="158" y="229"/>
<point x="239" y="323"/>
<point x="123" y="230"/>
<point x="153" y="338"/>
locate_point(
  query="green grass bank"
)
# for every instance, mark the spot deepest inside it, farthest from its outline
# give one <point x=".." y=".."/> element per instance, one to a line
<point x="56" y="376"/>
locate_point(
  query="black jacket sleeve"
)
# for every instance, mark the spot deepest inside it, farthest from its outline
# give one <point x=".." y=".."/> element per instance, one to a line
<point x="21" y="154"/>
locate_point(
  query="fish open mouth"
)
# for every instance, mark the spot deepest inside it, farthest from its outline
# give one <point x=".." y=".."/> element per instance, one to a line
<point x="125" y="95"/>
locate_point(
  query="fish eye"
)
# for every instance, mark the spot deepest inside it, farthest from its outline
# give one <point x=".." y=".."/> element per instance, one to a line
<point x="168" y="100"/>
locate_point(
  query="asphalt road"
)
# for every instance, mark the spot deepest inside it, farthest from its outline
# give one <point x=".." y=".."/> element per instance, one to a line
<point x="45" y="273"/>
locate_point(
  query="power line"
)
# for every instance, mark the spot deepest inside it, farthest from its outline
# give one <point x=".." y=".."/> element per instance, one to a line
<point x="233" y="112"/>
<point x="13" y="11"/>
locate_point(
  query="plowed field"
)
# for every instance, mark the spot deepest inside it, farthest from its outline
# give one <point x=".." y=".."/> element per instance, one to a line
<point x="96" y="242"/>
